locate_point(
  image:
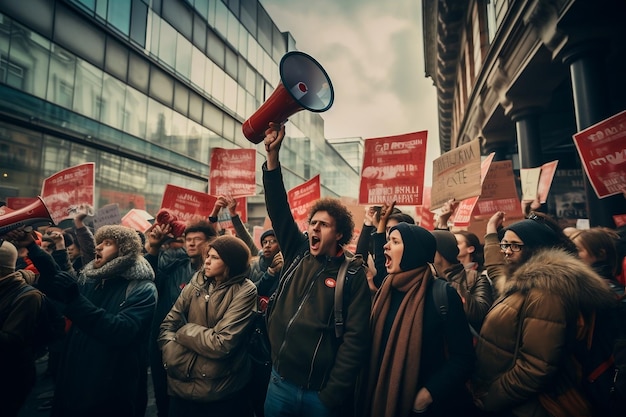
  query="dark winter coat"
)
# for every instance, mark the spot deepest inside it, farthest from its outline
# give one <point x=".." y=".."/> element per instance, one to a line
<point x="104" y="359"/>
<point x="305" y="350"/>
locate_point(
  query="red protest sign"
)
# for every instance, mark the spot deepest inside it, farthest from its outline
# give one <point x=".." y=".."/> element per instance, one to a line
<point x="427" y="217"/>
<point x="17" y="203"/>
<point x="137" y="219"/>
<point x="69" y="188"/>
<point x="393" y="169"/>
<point x="602" y="149"/>
<point x="187" y="204"/>
<point x="233" y="172"/>
<point x="301" y="198"/>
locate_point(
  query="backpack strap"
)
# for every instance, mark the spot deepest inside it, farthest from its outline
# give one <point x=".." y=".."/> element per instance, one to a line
<point x="341" y="279"/>
<point x="440" y="297"/>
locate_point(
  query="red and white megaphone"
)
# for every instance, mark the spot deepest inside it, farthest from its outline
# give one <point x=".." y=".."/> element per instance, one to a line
<point x="304" y="85"/>
<point x="34" y="214"/>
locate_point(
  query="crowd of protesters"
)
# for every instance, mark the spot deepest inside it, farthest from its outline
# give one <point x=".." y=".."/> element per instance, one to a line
<point x="431" y="323"/>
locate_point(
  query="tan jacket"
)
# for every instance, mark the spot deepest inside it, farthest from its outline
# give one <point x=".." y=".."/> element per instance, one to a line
<point x="203" y="339"/>
<point x="522" y="348"/>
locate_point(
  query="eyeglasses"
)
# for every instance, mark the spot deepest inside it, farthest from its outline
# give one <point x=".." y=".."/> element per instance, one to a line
<point x="268" y="242"/>
<point x="515" y="247"/>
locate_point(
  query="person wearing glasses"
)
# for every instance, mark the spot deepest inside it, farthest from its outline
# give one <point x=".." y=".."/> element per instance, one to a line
<point x="522" y="352"/>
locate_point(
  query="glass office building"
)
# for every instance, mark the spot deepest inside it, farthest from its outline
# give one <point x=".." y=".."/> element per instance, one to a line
<point x="145" y="89"/>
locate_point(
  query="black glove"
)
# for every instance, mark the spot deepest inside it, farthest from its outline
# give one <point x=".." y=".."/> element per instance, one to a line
<point x="63" y="287"/>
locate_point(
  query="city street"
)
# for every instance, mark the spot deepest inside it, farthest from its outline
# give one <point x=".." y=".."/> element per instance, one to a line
<point x="35" y="405"/>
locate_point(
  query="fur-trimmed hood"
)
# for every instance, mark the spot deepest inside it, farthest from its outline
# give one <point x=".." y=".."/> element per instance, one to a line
<point x="558" y="272"/>
<point x="130" y="267"/>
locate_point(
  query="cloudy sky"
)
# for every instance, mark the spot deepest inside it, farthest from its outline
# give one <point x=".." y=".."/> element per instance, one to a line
<point x="373" y="53"/>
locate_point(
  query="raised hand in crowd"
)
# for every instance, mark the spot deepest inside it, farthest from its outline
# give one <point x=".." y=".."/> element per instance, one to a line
<point x="156" y="235"/>
<point x="446" y="212"/>
<point x="277" y="264"/>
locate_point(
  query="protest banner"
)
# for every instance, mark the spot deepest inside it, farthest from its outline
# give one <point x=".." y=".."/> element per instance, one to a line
<point x="456" y="174"/>
<point x="427" y="217"/>
<point x="602" y="149"/>
<point x="463" y="213"/>
<point x="529" y="178"/>
<point x="126" y="201"/>
<point x="137" y="219"/>
<point x="187" y="205"/>
<point x="499" y="193"/>
<point x="545" y="180"/>
<point x="232" y="172"/>
<point x="225" y="220"/>
<point x="536" y="182"/>
<point x="17" y="203"/>
<point x="109" y="214"/>
<point x="301" y="198"/>
<point x="393" y="169"/>
<point x="67" y="189"/>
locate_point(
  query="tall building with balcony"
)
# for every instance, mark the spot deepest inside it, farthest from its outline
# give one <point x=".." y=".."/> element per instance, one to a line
<point x="523" y="76"/>
<point x="145" y="89"/>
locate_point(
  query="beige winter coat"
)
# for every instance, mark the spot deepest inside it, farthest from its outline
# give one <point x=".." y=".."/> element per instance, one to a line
<point x="203" y="339"/>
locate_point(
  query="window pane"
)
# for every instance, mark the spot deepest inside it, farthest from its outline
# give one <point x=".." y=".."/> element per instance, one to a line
<point x="197" y="67"/>
<point x="159" y="123"/>
<point x="119" y="15"/>
<point x="167" y="44"/>
<point x="88" y="99"/>
<point x="230" y="93"/>
<point x="139" y="22"/>
<point x="61" y="77"/>
<point x="221" y="18"/>
<point x="135" y="112"/>
<point x="114" y="93"/>
<point x="217" y="87"/>
<point x="183" y="56"/>
<point x="179" y="133"/>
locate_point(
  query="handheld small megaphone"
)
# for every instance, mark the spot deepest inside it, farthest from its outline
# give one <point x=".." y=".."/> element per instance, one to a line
<point x="304" y="85"/>
<point x="31" y="215"/>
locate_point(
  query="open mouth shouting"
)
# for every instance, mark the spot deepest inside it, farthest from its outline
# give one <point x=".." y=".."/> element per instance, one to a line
<point x="314" y="243"/>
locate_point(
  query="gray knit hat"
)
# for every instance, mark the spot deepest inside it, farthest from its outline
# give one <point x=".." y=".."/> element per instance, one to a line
<point x="126" y="238"/>
<point x="233" y="252"/>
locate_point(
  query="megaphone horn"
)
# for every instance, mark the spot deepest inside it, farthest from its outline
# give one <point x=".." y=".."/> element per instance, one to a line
<point x="304" y="85"/>
<point x="35" y="213"/>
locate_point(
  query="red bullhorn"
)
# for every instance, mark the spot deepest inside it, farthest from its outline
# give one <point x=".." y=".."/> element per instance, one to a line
<point x="303" y="85"/>
<point x="35" y="213"/>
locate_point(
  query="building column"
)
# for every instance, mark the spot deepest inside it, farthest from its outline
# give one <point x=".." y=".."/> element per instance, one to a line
<point x="591" y="105"/>
<point x="528" y="136"/>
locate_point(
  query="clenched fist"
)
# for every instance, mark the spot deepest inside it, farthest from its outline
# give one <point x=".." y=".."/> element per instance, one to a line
<point x="277" y="264"/>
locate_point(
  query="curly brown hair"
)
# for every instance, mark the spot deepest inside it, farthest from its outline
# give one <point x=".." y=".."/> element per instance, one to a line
<point x="344" y="223"/>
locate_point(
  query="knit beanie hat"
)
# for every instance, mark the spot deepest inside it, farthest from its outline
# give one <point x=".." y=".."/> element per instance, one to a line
<point x="447" y="245"/>
<point x="534" y="234"/>
<point x="233" y="252"/>
<point x="268" y="232"/>
<point x="8" y="255"/>
<point x="126" y="238"/>
<point x="419" y="245"/>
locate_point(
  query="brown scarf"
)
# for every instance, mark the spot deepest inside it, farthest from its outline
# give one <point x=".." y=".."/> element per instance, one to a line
<point x="392" y="381"/>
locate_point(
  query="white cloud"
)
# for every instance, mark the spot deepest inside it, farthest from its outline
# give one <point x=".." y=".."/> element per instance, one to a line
<point x="373" y="53"/>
